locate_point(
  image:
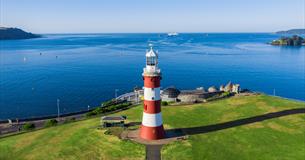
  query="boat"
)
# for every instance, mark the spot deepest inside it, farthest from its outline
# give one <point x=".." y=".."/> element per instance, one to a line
<point x="172" y="34"/>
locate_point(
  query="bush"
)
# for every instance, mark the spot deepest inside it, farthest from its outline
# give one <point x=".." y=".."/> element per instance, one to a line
<point x="28" y="126"/>
<point x="107" y="132"/>
<point x="108" y="103"/>
<point x="164" y="103"/>
<point x="110" y="108"/>
<point x="94" y="112"/>
<point x="115" y="107"/>
<point x="89" y="114"/>
<point x="51" y="122"/>
<point x="224" y="94"/>
<point x="67" y="120"/>
<point x="98" y="110"/>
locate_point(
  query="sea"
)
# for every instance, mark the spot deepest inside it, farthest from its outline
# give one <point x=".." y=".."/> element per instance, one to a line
<point x="79" y="71"/>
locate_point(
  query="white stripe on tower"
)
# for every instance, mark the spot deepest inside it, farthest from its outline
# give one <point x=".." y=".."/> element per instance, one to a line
<point x="152" y="120"/>
<point x="152" y="94"/>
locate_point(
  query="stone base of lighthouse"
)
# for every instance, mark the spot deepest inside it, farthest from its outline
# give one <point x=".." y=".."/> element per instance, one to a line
<point x="152" y="133"/>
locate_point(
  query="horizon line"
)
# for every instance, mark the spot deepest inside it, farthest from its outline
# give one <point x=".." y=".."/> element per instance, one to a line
<point x="143" y="32"/>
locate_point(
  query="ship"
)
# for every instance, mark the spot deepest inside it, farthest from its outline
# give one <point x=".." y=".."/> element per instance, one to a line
<point x="172" y="34"/>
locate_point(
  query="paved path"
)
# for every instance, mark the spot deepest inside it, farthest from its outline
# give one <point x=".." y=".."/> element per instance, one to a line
<point x="15" y="128"/>
<point x="153" y="152"/>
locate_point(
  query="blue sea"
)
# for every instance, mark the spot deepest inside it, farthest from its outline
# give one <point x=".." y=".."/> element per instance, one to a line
<point x="86" y="69"/>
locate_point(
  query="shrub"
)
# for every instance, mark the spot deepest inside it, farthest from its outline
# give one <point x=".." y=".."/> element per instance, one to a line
<point x="28" y="126"/>
<point x="67" y="120"/>
<point x="224" y="94"/>
<point x="164" y="103"/>
<point x="107" y="132"/>
<point x="116" y="107"/>
<point x="108" y="103"/>
<point x="51" y="122"/>
<point x="110" y="108"/>
<point x="98" y="110"/>
<point x="94" y="112"/>
<point x="89" y="114"/>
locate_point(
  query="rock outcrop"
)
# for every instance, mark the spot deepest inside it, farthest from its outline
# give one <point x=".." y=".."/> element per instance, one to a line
<point x="15" y="33"/>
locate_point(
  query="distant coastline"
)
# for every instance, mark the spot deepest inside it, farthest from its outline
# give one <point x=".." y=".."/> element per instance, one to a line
<point x="15" y="33"/>
<point x="292" y="31"/>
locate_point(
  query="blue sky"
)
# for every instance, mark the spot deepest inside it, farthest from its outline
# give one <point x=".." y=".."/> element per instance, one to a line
<point x="95" y="16"/>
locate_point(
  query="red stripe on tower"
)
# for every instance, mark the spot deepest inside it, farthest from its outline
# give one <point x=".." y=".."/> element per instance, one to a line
<point x="151" y="82"/>
<point x="152" y="125"/>
<point x="152" y="106"/>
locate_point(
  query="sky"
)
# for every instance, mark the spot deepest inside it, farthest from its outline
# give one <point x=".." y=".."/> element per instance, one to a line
<point x="135" y="16"/>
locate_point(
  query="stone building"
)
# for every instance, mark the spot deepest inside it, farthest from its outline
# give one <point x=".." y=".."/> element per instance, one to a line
<point x="212" y="89"/>
<point x="191" y="96"/>
<point x="200" y="88"/>
<point x="236" y="88"/>
<point x="228" y="87"/>
<point x="222" y="88"/>
<point x="170" y="94"/>
<point x="113" y="121"/>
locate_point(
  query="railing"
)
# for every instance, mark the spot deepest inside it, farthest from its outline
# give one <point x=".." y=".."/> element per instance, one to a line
<point x="151" y="71"/>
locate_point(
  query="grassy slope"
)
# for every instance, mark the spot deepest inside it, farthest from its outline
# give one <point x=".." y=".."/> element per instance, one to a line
<point x="79" y="140"/>
<point x="280" y="138"/>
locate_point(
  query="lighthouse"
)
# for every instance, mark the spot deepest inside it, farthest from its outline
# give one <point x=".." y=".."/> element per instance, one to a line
<point x="152" y="125"/>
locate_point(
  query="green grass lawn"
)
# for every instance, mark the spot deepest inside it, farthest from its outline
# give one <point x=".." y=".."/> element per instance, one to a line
<point x="279" y="138"/>
<point x="77" y="140"/>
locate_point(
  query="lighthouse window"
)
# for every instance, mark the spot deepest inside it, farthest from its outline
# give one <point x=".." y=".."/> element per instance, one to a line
<point x="151" y="61"/>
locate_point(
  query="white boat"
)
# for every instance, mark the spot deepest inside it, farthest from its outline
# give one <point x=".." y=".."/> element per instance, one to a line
<point x="172" y="34"/>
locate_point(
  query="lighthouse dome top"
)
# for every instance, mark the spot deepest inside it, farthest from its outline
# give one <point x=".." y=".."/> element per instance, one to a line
<point x="151" y="68"/>
<point x="151" y="53"/>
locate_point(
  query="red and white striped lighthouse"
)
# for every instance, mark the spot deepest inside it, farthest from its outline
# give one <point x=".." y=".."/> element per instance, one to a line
<point x="152" y="126"/>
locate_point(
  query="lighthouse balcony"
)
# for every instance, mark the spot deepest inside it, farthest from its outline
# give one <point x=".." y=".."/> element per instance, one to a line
<point x="151" y="72"/>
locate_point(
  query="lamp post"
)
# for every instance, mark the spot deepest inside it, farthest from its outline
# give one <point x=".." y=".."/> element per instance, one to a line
<point x="116" y="93"/>
<point x="58" y="109"/>
<point x="137" y="97"/>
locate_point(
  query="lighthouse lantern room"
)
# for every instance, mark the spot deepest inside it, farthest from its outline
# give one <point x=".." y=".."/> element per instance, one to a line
<point x="152" y="125"/>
